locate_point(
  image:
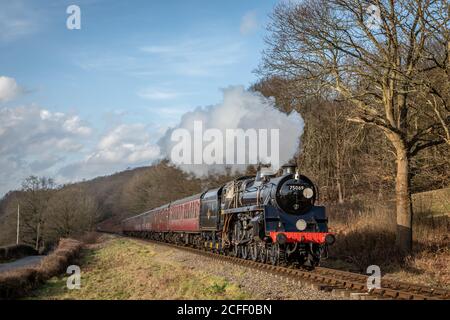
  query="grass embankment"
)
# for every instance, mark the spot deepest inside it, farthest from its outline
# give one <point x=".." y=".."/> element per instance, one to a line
<point x="121" y="268"/>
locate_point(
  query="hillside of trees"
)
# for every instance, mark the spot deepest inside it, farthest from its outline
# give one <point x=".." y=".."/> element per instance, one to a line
<point x="49" y="211"/>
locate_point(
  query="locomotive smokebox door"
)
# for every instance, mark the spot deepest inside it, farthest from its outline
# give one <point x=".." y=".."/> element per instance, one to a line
<point x="210" y="210"/>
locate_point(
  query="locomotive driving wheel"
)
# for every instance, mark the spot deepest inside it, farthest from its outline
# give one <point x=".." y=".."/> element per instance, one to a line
<point x="244" y="252"/>
<point x="262" y="253"/>
<point x="253" y="250"/>
<point x="237" y="236"/>
<point x="273" y="253"/>
<point x="245" y="248"/>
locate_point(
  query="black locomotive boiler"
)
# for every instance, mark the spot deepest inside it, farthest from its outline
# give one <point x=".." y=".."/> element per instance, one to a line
<point x="268" y="218"/>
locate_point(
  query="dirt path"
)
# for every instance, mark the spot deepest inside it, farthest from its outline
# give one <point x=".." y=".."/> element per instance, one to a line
<point x="30" y="261"/>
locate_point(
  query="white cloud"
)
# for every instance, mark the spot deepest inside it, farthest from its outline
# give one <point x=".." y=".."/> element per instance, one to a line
<point x="36" y="141"/>
<point x="74" y="125"/>
<point x="40" y="142"/>
<point x="9" y="89"/>
<point x="249" y="23"/>
<point x="158" y="49"/>
<point x="126" y="145"/>
<point x="157" y="94"/>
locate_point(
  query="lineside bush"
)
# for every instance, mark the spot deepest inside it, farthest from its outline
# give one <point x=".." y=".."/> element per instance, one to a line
<point x="17" y="283"/>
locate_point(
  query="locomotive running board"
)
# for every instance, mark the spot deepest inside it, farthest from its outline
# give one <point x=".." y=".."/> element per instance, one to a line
<point x="243" y="209"/>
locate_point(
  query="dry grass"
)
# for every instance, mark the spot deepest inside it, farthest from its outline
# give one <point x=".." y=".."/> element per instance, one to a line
<point x="436" y="202"/>
<point x="17" y="283"/>
<point x="366" y="236"/>
<point x="90" y="237"/>
<point x="129" y="269"/>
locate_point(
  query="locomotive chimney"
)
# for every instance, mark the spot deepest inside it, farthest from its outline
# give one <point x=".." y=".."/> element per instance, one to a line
<point x="288" y="169"/>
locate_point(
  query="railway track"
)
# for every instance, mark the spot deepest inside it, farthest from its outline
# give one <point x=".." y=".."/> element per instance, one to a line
<point x="341" y="283"/>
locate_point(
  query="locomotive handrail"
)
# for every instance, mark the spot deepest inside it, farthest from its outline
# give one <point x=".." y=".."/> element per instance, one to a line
<point x="242" y="209"/>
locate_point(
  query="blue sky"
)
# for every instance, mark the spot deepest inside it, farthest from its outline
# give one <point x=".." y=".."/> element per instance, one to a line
<point x="75" y="104"/>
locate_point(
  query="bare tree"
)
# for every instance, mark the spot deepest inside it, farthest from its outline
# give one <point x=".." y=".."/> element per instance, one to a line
<point x="71" y="211"/>
<point x="34" y="200"/>
<point x="394" y="69"/>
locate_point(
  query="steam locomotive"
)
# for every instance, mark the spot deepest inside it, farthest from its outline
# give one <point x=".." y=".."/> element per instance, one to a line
<point x="271" y="218"/>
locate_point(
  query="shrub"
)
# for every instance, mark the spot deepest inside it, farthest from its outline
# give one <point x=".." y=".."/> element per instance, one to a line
<point x="19" y="282"/>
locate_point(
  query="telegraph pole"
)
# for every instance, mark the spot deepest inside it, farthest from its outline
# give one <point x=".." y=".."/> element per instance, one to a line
<point x="18" y="223"/>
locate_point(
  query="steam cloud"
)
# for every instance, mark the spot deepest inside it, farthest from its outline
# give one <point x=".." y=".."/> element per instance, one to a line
<point x="240" y="109"/>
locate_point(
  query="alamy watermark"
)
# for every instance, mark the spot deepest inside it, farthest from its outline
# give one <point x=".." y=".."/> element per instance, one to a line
<point x="374" y="279"/>
<point x="74" y="280"/>
<point x="373" y="22"/>
<point x="234" y="146"/>
<point x="73" y="21"/>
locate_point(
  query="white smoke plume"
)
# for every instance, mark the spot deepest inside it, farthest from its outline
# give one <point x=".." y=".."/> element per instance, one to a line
<point x="240" y="109"/>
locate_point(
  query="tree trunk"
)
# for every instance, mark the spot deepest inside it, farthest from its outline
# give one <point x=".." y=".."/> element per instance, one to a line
<point x="340" y="194"/>
<point x="38" y="231"/>
<point x="338" y="176"/>
<point x="403" y="199"/>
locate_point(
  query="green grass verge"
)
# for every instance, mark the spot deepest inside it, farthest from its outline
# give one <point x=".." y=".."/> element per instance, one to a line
<point x="127" y="269"/>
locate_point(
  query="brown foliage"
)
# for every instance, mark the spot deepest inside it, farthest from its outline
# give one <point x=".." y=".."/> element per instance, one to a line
<point x="89" y="237"/>
<point x="366" y="235"/>
<point x="19" y="282"/>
